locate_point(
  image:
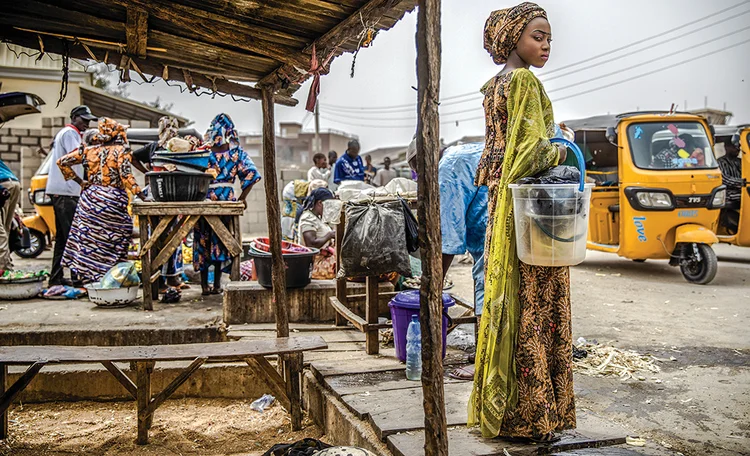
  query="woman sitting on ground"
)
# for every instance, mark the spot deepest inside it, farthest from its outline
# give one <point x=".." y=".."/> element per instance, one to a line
<point x="314" y="232"/>
<point x="102" y="228"/>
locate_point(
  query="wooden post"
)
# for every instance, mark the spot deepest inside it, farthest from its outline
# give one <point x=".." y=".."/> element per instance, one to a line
<point x="273" y="213"/>
<point x="234" y="222"/>
<point x="143" y="393"/>
<point x="4" y="416"/>
<point x="428" y="155"/>
<point x="340" y="283"/>
<point x="372" y="339"/>
<point x="293" y="370"/>
<point x="145" y="262"/>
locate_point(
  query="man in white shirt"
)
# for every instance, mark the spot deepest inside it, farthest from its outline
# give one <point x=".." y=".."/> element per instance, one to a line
<point x="320" y="170"/>
<point x="385" y="174"/>
<point x="65" y="193"/>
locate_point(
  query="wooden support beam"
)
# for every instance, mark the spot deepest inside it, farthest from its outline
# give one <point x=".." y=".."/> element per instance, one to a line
<point x="340" y="282"/>
<point x="237" y="233"/>
<point x="174" y="240"/>
<point x="224" y="235"/>
<point x="143" y="398"/>
<point x="173" y="385"/>
<point x="347" y="315"/>
<point x="293" y="364"/>
<point x="4" y="414"/>
<point x="136" y="31"/>
<point x="372" y="336"/>
<point x="275" y="382"/>
<point x="158" y="231"/>
<point x="273" y="213"/>
<point x="334" y="39"/>
<point x="145" y="261"/>
<point x="23" y="381"/>
<point x="428" y="155"/>
<point x="122" y="378"/>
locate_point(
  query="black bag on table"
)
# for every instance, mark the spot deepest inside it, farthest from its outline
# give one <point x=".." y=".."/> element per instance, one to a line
<point x="411" y="226"/>
<point x="374" y="241"/>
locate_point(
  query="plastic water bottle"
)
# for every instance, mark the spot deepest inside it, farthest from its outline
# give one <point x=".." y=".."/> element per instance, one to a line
<point x="414" y="350"/>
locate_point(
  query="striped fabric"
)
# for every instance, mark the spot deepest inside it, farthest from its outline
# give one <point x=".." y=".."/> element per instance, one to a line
<point x="100" y="234"/>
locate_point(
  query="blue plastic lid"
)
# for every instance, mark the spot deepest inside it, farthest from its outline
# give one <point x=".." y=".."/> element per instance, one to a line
<point x="409" y="299"/>
<point x="415" y="318"/>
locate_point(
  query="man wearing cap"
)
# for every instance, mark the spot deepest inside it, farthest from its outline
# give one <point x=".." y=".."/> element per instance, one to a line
<point x="65" y="193"/>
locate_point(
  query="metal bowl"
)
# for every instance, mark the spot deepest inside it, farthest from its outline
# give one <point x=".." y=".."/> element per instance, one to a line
<point x="112" y="297"/>
<point x="21" y="289"/>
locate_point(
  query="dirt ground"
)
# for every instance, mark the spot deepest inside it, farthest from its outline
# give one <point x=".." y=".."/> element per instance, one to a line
<point x="699" y="403"/>
<point x="185" y="426"/>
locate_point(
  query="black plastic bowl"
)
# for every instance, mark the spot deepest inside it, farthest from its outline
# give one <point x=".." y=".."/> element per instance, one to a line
<point x="298" y="267"/>
<point x="179" y="186"/>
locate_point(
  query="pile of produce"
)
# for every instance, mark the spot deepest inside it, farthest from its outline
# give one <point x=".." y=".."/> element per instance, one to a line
<point x="8" y="276"/>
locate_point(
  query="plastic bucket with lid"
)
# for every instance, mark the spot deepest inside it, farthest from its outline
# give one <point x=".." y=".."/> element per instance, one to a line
<point x="551" y="220"/>
<point x="403" y="306"/>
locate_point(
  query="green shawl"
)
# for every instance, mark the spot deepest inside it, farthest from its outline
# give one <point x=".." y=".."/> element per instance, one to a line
<point x="527" y="153"/>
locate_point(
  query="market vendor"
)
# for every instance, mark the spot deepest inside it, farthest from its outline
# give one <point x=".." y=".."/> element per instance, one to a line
<point x="167" y="130"/>
<point x="463" y="218"/>
<point x="314" y="232"/>
<point x="349" y="166"/>
<point x="227" y="161"/>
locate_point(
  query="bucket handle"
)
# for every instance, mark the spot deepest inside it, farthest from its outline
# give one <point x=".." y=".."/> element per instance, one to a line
<point x="579" y="157"/>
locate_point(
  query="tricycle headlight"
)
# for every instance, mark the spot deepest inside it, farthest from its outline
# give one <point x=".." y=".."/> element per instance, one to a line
<point x="656" y="200"/>
<point x="720" y="198"/>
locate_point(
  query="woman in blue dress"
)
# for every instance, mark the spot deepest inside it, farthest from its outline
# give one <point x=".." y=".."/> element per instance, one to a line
<point x="227" y="161"/>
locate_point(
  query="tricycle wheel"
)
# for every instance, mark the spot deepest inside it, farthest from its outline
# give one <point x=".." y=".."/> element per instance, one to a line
<point x="699" y="264"/>
<point x="640" y="260"/>
<point x="36" y="246"/>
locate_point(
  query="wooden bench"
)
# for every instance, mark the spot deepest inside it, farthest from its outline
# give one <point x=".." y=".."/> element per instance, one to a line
<point x="283" y="383"/>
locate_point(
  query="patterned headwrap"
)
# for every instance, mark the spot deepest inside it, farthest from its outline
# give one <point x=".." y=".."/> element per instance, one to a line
<point x="109" y="130"/>
<point x="504" y="27"/>
<point x="167" y="129"/>
<point x="221" y="131"/>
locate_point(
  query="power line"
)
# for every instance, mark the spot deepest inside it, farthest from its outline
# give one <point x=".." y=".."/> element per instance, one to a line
<point x="474" y="95"/>
<point x="585" y="92"/>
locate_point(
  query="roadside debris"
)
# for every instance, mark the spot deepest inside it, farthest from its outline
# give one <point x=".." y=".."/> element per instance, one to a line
<point x="603" y="360"/>
<point x="634" y="440"/>
<point x="265" y="401"/>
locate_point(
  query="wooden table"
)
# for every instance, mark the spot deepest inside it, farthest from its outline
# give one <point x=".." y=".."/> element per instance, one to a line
<point x="157" y="217"/>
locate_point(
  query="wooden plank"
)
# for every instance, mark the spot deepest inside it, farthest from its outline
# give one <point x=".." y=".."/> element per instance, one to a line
<point x="4" y="413"/>
<point x="383" y="295"/>
<point x="143" y="397"/>
<point x="465" y="441"/>
<point x="174" y="384"/>
<point x="174" y="240"/>
<point x="145" y="261"/>
<point x="293" y="371"/>
<point x="122" y="378"/>
<point x="188" y="208"/>
<point x="155" y="276"/>
<point x="342" y="310"/>
<point x="237" y="231"/>
<point x="301" y="329"/>
<point x="158" y="231"/>
<point x="273" y="213"/>
<point x="274" y="381"/>
<point x="224" y="235"/>
<point x="428" y="214"/>
<point x="25" y="354"/>
<point x="16" y="388"/>
<point x="330" y="337"/>
<point x="371" y="382"/>
<point x="136" y="31"/>
<point x="329" y="368"/>
<point x="401" y="410"/>
<point x="371" y="315"/>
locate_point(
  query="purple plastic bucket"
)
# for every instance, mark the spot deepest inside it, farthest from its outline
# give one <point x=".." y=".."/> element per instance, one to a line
<point x="403" y="306"/>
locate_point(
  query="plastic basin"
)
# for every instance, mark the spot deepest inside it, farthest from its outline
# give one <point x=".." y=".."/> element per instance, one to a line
<point x="403" y="306"/>
<point x="298" y="267"/>
<point x="111" y="297"/>
<point x="179" y="185"/>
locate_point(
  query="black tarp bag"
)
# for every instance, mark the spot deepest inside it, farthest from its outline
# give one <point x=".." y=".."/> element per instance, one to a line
<point x="374" y="241"/>
<point x="411" y="226"/>
<point x="304" y="447"/>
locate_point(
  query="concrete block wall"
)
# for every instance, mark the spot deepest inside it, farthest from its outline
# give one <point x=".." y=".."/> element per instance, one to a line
<point x="24" y="149"/>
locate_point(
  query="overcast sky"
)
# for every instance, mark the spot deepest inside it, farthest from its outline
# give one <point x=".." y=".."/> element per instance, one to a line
<point x="695" y="61"/>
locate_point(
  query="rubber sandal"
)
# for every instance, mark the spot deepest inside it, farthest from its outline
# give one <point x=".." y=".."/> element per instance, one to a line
<point x="464" y="373"/>
<point x="205" y="292"/>
<point x="546" y="439"/>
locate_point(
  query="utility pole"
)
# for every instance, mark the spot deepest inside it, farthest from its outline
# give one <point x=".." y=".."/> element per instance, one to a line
<point x="316" y="141"/>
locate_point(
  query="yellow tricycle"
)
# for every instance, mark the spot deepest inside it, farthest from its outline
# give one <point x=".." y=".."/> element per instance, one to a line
<point x="734" y="222"/>
<point x="658" y="188"/>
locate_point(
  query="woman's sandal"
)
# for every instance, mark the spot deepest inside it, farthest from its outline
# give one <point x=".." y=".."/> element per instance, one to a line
<point x="205" y="292"/>
<point x="465" y="373"/>
<point x="546" y="439"/>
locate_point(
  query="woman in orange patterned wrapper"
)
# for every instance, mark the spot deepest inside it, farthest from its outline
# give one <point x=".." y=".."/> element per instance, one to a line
<point x="102" y="228"/>
<point x="523" y="385"/>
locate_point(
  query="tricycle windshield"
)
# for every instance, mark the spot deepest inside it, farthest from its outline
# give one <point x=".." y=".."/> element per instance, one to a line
<point x="669" y="146"/>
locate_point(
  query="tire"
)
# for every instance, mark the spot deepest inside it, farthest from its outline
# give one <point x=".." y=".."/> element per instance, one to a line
<point x="38" y="244"/>
<point x="702" y="272"/>
<point x="640" y="261"/>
